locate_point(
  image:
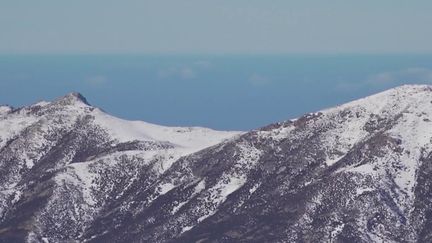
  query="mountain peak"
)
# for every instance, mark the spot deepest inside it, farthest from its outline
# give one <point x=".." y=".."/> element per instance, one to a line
<point x="73" y="98"/>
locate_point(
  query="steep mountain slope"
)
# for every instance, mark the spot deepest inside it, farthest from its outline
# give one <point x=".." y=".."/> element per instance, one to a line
<point x="63" y="161"/>
<point x="360" y="172"/>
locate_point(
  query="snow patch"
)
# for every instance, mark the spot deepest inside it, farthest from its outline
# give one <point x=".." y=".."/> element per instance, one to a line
<point x="42" y="103"/>
<point x="199" y="187"/>
<point x="164" y="188"/>
<point x="178" y="207"/>
<point x="360" y="191"/>
<point x="78" y="174"/>
<point x="187" y="228"/>
<point x="277" y="134"/>
<point x="219" y="193"/>
<point x="5" y="109"/>
<point x="254" y="188"/>
<point x="330" y="162"/>
<point x="336" y="231"/>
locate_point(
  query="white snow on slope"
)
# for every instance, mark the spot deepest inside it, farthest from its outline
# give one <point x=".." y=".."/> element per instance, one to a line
<point x="188" y="138"/>
<point x="69" y="108"/>
<point x="414" y="128"/>
<point x="4" y="109"/>
<point x="78" y="174"/>
<point x="164" y="188"/>
<point x="62" y="114"/>
<point x="198" y="188"/>
<point x="411" y="107"/>
<point x="12" y="125"/>
<point x="385" y="105"/>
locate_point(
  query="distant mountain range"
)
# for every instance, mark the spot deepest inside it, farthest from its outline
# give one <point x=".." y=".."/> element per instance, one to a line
<point x="359" y="172"/>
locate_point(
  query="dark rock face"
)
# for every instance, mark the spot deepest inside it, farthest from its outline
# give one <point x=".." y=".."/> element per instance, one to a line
<point x="360" y="172"/>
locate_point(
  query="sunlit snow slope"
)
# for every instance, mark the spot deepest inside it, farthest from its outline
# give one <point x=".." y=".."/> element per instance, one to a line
<point x="359" y="172"/>
<point x="75" y="148"/>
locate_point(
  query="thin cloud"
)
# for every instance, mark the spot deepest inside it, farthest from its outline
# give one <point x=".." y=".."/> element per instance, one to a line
<point x="387" y="79"/>
<point x="203" y="64"/>
<point x="408" y="75"/>
<point x="259" y="80"/>
<point x="181" y="73"/>
<point x="165" y="73"/>
<point x="187" y="73"/>
<point x="96" y="80"/>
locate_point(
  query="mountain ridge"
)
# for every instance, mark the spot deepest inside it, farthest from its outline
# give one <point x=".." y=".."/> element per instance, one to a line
<point x="358" y="172"/>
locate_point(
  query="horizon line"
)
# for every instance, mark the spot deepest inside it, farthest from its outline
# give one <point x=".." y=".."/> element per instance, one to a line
<point x="216" y="54"/>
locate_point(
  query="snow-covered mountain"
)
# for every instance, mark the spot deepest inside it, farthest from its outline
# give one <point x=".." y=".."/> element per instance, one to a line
<point x="62" y="162"/>
<point x="359" y="172"/>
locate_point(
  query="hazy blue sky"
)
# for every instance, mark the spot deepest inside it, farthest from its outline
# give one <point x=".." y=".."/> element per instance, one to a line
<point x="215" y="26"/>
<point x="226" y="64"/>
<point x="224" y="92"/>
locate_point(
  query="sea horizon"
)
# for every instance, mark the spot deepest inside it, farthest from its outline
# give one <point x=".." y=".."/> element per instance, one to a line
<point x="228" y="92"/>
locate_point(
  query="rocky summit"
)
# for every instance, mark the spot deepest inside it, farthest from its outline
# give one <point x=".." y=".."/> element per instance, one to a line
<point x="359" y="172"/>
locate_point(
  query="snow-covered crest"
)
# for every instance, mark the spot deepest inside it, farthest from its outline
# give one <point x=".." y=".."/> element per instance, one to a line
<point x="359" y="172"/>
